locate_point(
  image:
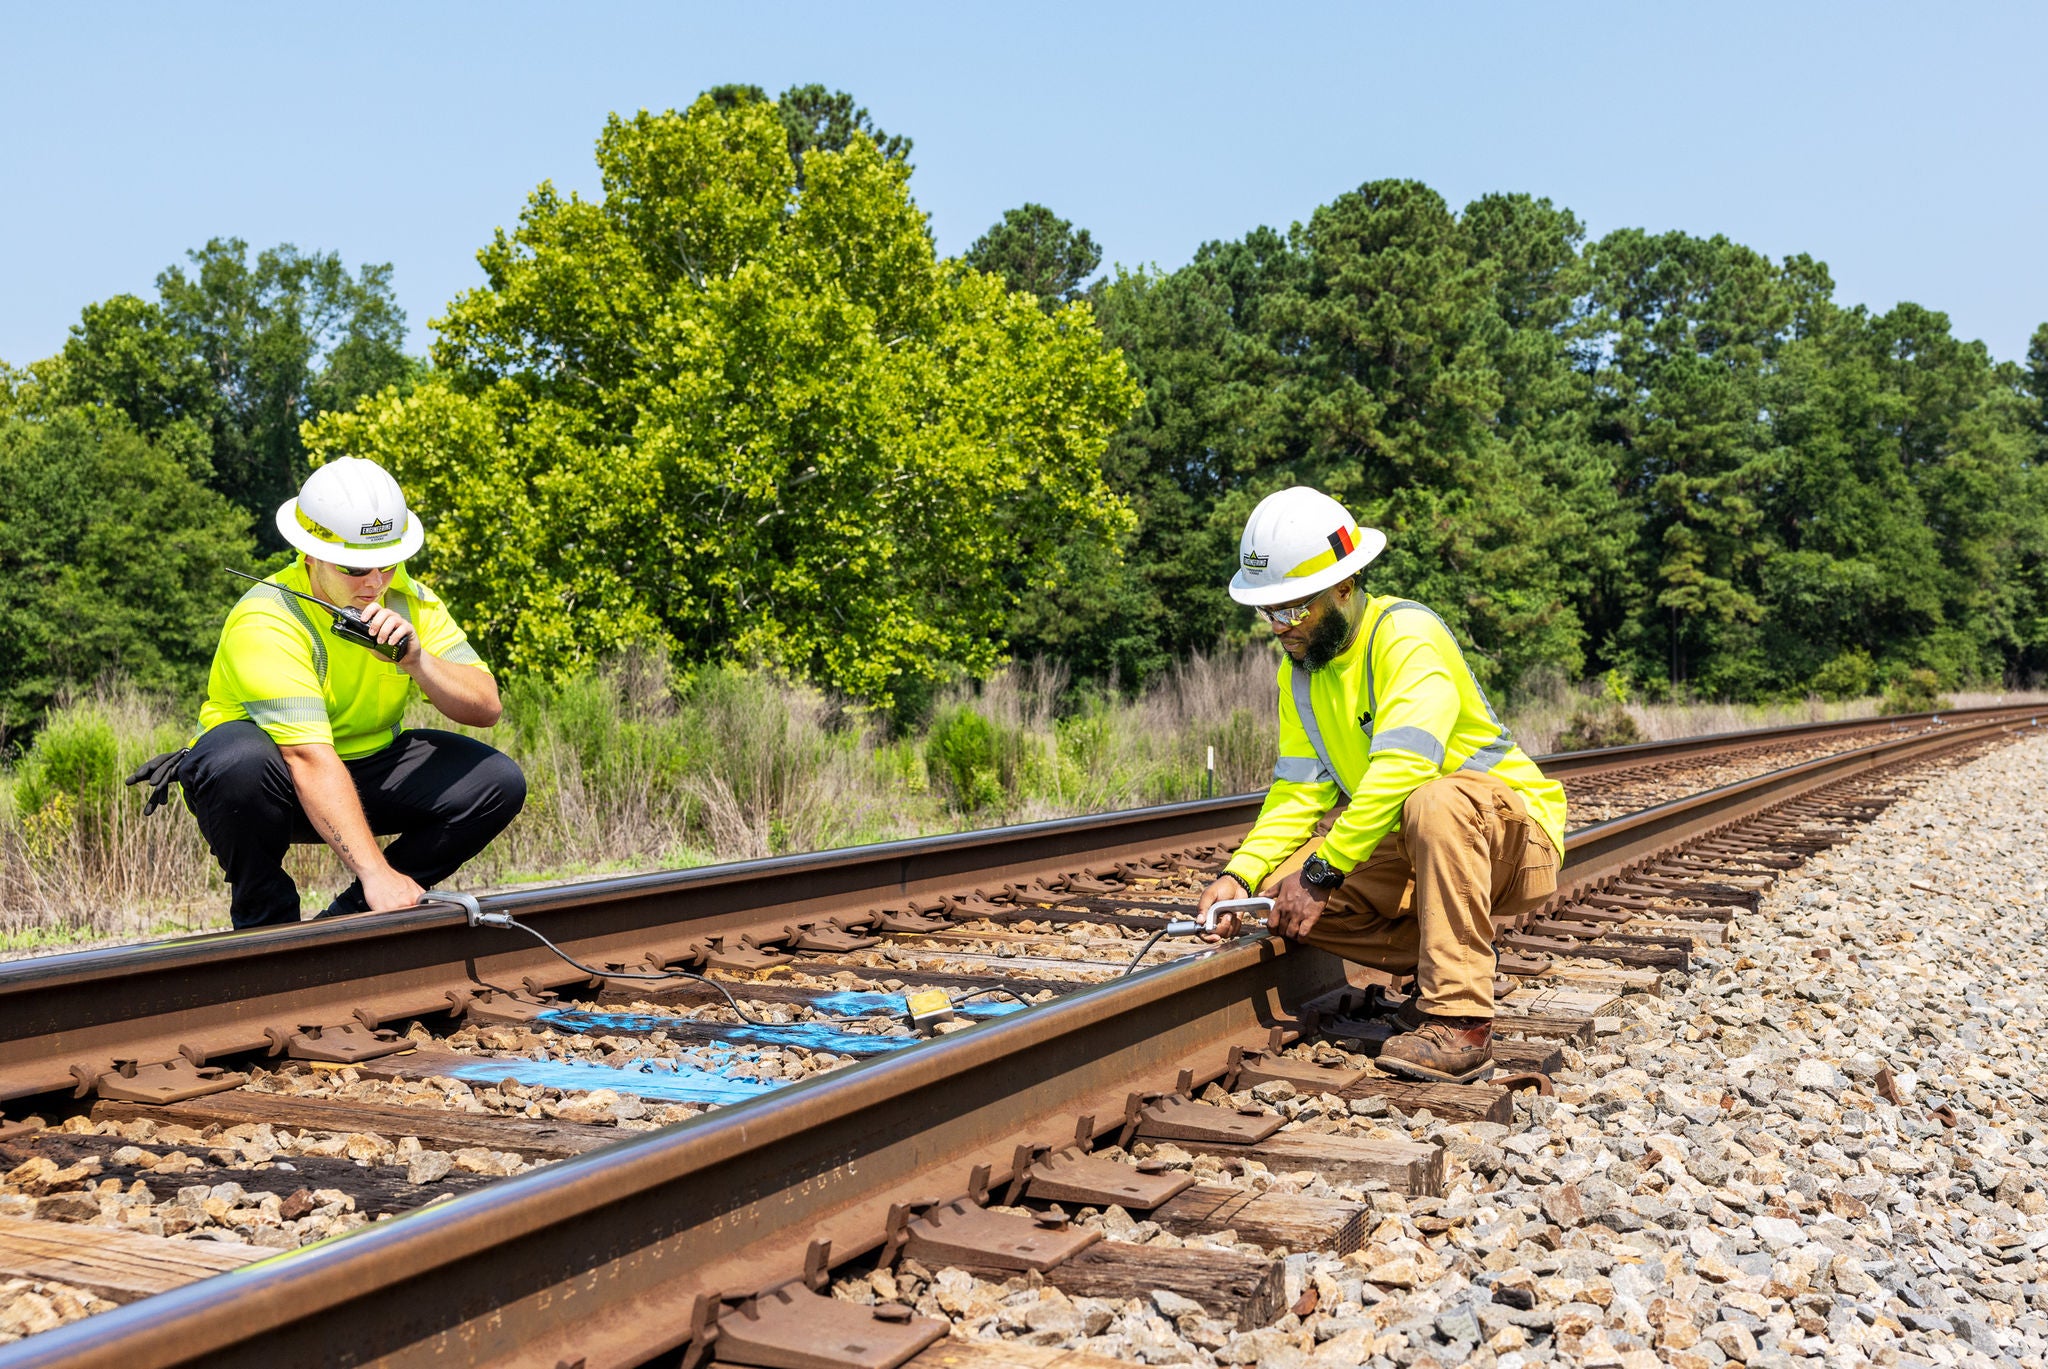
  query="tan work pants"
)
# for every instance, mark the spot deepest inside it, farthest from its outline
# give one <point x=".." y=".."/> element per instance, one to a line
<point x="1425" y="901"/>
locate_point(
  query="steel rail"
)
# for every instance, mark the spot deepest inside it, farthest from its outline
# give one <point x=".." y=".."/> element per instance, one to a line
<point x="65" y="1017"/>
<point x="1637" y="755"/>
<point x="602" y="1257"/>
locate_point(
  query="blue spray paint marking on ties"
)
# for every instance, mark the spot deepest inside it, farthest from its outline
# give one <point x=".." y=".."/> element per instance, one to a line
<point x="667" y="1080"/>
<point x="807" y="1035"/>
<point x="676" y="1082"/>
<point x="814" y="1036"/>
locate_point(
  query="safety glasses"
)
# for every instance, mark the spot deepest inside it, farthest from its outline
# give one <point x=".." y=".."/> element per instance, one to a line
<point x="354" y="574"/>
<point x="1287" y="615"/>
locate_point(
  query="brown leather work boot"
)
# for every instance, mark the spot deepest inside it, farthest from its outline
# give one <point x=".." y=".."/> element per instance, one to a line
<point x="1448" y="1050"/>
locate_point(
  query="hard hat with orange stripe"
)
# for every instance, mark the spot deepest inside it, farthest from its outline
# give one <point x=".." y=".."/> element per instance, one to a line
<point x="1299" y="542"/>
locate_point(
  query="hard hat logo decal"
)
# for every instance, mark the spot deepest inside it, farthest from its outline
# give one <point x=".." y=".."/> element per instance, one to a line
<point x="1254" y="561"/>
<point x="380" y="528"/>
<point x="1342" y="542"/>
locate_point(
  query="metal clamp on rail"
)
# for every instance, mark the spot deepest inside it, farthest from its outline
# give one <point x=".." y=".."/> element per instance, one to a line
<point x="468" y="904"/>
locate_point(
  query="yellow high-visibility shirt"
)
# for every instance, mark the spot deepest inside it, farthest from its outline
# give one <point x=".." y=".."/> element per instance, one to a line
<point x="280" y="665"/>
<point x="1398" y="708"/>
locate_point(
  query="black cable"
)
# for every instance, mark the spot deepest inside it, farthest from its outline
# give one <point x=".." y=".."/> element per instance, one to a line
<point x="516" y="924"/>
<point x="995" y="988"/>
<point x="1150" y="942"/>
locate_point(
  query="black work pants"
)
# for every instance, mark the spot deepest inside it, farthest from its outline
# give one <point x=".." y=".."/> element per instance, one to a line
<point x="446" y="795"/>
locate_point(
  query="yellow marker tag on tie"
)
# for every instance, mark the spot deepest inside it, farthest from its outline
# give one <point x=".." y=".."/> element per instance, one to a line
<point x="927" y="1007"/>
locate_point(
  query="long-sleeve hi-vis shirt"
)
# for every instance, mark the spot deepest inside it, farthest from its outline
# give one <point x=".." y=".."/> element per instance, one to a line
<point x="1397" y="709"/>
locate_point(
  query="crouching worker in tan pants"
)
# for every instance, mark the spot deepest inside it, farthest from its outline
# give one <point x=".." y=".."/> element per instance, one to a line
<point x="1447" y="826"/>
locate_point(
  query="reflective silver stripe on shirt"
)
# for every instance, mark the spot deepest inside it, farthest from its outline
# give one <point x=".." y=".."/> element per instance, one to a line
<point x="1305" y="710"/>
<point x="1301" y="770"/>
<point x="265" y="712"/>
<point x="1415" y="739"/>
<point x="319" y="643"/>
<point x="1491" y="754"/>
<point x="1487" y="756"/>
<point x="462" y="653"/>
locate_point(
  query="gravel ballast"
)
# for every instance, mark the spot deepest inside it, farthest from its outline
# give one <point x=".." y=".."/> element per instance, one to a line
<point x="1824" y="1145"/>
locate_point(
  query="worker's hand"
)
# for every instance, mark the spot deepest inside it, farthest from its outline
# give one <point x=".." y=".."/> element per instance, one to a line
<point x="388" y="626"/>
<point x="1226" y="886"/>
<point x="1296" y="907"/>
<point x="388" y="891"/>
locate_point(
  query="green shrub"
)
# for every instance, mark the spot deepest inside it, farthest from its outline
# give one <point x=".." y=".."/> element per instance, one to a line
<point x="76" y="756"/>
<point x="1592" y="728"/>
<point x="962" y="752"/>
<point x="1851" y="675"/>
<point x="1913" y="691"/>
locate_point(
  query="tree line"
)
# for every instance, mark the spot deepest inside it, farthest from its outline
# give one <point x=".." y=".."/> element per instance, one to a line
<point x="737" y="407"/>
<point x="1661" y="455"/>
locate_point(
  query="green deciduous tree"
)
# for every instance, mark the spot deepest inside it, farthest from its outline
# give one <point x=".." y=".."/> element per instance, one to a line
<point x="110" y="555"/>
<point x="743" y="421"/>
<point x="1038" y="252"/>
<point x="235" y="356"/>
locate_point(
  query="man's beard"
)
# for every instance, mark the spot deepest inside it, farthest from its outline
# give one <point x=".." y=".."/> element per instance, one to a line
<point x="1326" y="641"/>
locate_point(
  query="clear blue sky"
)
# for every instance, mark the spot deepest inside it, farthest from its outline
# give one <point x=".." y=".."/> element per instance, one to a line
<point x="1899" y="143"/>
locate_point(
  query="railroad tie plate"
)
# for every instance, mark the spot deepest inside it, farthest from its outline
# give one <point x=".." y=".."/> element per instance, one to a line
<point x="345" y="1043"/>
<point x="497" y="1006"/>
<point x="794" y="1328"/>
<point x="967" y="907"/>
<point x="1067" y="1176"/>
<point x="163" y="1081"/>
<point x="1541" y="945"/>
<point x="1374" y="1032"/>
<point x="1183" y="1119"/>
<point x="1036" y="892"/>
<point x="960" y="1233"/>
<point x="907" y="920"/>
<point x="824" y="938"/>
<point x="722" y="952"/>
<point x="1307" y="1076"/>
<point x="1561" y="927"/>
<point x="1615" y="911"/>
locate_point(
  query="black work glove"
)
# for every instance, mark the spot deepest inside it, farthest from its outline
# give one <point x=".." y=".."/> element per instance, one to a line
<point x="159" y="773"/>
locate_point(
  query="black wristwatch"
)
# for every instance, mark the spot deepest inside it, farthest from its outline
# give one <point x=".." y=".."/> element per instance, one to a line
<point x="1320" y="874"/>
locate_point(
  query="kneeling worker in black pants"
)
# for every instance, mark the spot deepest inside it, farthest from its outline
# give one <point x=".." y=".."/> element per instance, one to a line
<point x="301" y="737"/>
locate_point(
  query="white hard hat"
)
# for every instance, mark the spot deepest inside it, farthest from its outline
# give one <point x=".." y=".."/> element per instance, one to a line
<point x="351" y="512"/>
<point x="1299" y="542"/>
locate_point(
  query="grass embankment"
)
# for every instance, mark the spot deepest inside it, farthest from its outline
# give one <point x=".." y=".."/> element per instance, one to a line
<point x="629" y="769"/>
